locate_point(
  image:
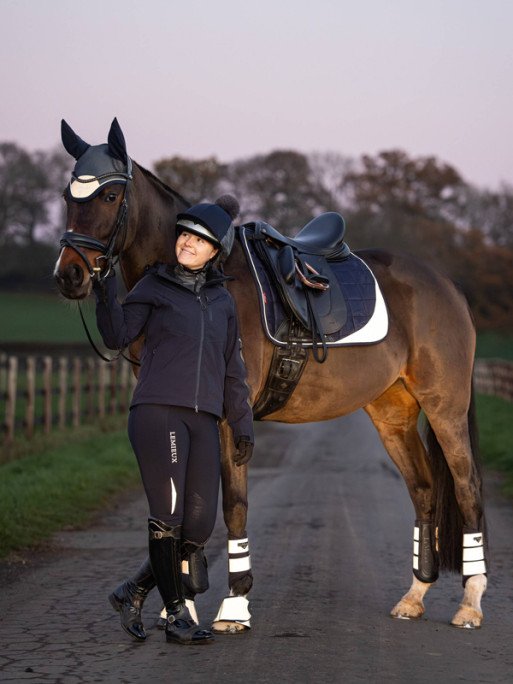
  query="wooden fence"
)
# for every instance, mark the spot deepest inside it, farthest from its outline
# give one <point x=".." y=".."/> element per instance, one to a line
<point x="46" y="392"/>
<point x="494" y="376"/>
<point x="43" y="392"/>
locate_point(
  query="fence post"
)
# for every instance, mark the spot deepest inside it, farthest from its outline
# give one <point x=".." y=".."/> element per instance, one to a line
<point x="90" y="388"/>
<point x="47" y="394"/>
<point x="76" y="392"/>
<point x="101" y="389"/>
<point x="10" y="405"/>
<point x="113" y="388"/>
<point x="30" y="407"/>
<point x="63" y="390"/>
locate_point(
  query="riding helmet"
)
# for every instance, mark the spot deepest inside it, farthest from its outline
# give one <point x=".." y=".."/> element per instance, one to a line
<point x="214" y="222"/>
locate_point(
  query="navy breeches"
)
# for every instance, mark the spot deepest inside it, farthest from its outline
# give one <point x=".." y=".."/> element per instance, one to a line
<point x="179" y="457"/>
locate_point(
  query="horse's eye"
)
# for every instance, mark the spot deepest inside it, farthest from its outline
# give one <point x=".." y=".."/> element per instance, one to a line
<point x="111" y="197"/>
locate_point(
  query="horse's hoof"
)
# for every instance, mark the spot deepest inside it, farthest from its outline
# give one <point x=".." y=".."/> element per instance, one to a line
<point x="227" y="627"/>
<point x="467" y="618"/>
<point x="405" y="610"/>
<point x="467" y="625"/>
<point x="233" y="616"/>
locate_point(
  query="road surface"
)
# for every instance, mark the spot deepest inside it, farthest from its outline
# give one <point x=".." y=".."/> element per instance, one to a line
<point x="330" y="530"/>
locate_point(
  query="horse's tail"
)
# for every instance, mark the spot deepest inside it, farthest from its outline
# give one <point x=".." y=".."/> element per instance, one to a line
<point x="447" y="515"/>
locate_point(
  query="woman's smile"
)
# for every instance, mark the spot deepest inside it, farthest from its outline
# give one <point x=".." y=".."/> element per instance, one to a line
<point x="193" y="251"/>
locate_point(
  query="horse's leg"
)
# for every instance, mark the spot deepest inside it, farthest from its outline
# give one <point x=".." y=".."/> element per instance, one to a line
<point x="233" y="615"/>
<point x="395" y="414"/>
<point x="453" y="431"/>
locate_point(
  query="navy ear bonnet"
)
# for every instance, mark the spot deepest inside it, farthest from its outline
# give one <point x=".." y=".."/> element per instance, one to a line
<point x="97" y="166"/>
<point x="211" y="222"/>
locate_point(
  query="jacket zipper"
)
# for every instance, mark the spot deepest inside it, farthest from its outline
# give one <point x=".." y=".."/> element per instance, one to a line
<point x="200" y="353"/>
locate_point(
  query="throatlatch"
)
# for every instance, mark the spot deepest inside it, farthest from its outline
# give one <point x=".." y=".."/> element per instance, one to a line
<point x="425" y="554"/>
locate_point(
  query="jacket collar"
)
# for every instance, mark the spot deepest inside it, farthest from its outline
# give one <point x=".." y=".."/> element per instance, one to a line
<point x="209" y="277"/>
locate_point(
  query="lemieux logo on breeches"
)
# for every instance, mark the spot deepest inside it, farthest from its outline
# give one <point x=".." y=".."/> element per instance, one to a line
<point x="174" y="459"/>
<point x="172" y="443"/>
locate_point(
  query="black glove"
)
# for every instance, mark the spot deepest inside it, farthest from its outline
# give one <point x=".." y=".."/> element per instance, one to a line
<point x="244" y="451"/>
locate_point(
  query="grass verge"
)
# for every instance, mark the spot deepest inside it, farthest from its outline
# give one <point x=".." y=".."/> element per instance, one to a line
<point x="494" y="417"/>
<point x="62" y="486"/>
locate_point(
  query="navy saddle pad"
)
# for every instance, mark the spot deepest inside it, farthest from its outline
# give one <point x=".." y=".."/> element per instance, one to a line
<point x="366" y="319"/>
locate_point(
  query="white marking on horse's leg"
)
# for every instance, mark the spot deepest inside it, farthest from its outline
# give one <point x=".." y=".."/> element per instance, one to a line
<point x="470" y="615"/>
<point x="411" y="605"/>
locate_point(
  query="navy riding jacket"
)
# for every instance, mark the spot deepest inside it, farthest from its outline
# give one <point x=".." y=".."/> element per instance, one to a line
<point x="191" y="354"/>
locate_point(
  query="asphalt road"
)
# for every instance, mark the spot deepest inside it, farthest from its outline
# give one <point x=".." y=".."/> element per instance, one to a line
<point x="330" y="532"/>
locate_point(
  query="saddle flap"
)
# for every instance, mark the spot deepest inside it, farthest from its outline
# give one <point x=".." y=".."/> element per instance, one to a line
<point x="287" y="264"/>
<point x="323" y="309"/>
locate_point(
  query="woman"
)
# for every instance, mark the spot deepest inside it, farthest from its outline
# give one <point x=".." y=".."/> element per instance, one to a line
<point x="191" y="375"/>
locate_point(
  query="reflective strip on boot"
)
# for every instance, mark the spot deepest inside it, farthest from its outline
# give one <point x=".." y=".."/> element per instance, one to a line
<point x="474" y="562"/>
<point x="239" y="559"/>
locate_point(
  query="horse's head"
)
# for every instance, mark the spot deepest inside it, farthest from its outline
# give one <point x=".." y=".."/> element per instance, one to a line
<point x="97" y="204"/>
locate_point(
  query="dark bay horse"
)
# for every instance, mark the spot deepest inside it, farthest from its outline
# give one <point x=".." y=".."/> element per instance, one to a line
<point x="424" y="364"/>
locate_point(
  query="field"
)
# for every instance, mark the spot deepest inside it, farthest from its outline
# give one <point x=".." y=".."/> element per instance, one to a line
<point x="41" y="318"/>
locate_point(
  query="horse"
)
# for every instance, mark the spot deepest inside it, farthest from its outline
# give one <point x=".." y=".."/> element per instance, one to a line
<point x="422" y="368"/>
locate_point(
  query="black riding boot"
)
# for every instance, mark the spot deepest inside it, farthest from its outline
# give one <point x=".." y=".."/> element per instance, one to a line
<point x="166" y="562"/>
<point x="196" y="579"/>
<point x="129" y="597"/>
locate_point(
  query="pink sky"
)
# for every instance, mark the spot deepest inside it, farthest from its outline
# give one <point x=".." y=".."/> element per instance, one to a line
<point x="233" y="79"/>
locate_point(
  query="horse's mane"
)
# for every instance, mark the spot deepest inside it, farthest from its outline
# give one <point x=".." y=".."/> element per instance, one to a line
<point x="165" y="187"/>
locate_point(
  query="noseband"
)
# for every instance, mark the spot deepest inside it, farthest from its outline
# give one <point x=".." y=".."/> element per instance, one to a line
<point x="79" y="241"/>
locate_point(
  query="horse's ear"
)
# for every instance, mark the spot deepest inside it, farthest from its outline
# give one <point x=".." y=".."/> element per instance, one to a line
<point x="116" y="140"/>
<point x="72" y="142"/>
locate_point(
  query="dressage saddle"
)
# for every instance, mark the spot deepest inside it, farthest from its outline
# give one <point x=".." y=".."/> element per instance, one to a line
<point x="300" y="270"/>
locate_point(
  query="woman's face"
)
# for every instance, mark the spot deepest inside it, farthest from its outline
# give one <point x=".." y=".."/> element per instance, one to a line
<point x="193" y="251"/>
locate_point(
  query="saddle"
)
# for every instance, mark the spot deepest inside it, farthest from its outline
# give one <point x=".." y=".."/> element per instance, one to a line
<point x="300" y="270"/>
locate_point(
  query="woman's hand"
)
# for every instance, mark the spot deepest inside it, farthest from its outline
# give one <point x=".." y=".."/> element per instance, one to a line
<point x="244" y="451"/>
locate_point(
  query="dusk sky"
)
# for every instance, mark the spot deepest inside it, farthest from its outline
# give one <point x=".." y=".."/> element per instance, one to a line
<point x="234" y="78"/>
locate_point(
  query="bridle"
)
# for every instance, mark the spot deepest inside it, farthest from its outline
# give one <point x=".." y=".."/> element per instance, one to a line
<point x="79" y="241"/>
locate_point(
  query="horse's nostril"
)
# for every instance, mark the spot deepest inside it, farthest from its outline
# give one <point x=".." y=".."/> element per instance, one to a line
<point x="70" y="277"/>
<point x="76" y="275"/>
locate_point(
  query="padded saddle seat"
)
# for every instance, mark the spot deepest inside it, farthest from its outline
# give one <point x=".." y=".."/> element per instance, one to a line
<point x="323" y="236"/>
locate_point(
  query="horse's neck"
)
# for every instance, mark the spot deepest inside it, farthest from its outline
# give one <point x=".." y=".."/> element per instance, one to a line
<point x="152" y="219"/>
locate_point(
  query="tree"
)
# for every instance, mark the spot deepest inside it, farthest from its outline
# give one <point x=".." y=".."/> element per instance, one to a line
<point x="197" y="181"/>
<point x="280" y="189"/>
<point x="28" y="186"/>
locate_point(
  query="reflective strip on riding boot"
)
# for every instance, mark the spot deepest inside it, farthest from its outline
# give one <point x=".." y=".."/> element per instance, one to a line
<point x="474" y="561"/>
<point x="239" y="560"/>
<point x="425" y="555"/>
